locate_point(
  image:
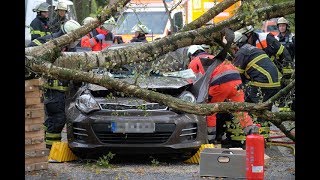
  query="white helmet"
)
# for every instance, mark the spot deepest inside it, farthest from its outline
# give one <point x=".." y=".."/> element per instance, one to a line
<point x="87" y="20"/>
<point x="205" y="46"/>
<point x="61" y="6"/>
<point x="194" y="48"/>
<point x="109" y="24"/>
<point x="239" y="38"/>
<point x="41" y="7"/>
<point x="140" y="28"/>
<point x="282" y="20"/>
<point x="70" y="26"/>
<point x="246" y="29"/>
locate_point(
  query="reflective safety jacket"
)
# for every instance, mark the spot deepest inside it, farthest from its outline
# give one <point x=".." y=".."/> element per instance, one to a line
<point x="256" y="67"/>
<point x="39" y="27"/>
<point x="61" y="85"/>
<point x="223" y="73"/>
<point x="287" y="41"/>
<point x="273" y="48"/>
<point x="90" y="41"/>
<point x="55" y="24"/>
<point x="196" y="64"/>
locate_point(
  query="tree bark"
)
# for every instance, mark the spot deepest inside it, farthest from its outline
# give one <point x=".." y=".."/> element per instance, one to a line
<point x="50" y="50"/>
<point x="200" y="109"/>
<point x="149" y="51"/>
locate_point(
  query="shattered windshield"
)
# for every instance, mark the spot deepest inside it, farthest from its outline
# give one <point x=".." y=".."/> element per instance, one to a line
<point x="156" y="21"/>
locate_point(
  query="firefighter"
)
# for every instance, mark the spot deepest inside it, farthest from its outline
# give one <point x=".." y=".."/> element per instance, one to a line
<point x="107" y="27"/>
<point x="61" y="11"/>
<point x="224" y="85"/>
<point x="285" y="37"/>
<point x="54" y="90"/>
<point x="140" y="32"/>
<point x="259" y="74"/>
<point x="273" y="48"/>
<point x="39" y="25"/>
<point x="96" y="39"/>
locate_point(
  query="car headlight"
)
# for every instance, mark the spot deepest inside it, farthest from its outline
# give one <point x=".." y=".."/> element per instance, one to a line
<point x="187" y="96"/>
<point x="86" y="103"/>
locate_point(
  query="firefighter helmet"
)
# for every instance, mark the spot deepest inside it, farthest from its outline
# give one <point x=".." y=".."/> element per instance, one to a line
<point x="87" y="20"/>
<point x="246" y="29"/>
<point x="205" y="46"/>
<point x="70" y="26"/>
<point x="109" y="24"/>
<point x="282" y="20"/>
<point x="140" y="28"/>
<point x="194" y="48"/>
<point x="41" y="7"/>
<point x="239" y="38"/>
<point x="61" y="6"/>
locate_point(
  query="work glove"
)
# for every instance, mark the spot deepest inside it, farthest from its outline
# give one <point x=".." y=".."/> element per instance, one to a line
<point x="251" y="129"/>
<point x="100" y="37"/>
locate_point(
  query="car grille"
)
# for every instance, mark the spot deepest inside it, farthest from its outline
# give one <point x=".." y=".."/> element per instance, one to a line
<point x="161" y="135"/>
<point x="79" y="132"/>
<point x="116" y="106"/>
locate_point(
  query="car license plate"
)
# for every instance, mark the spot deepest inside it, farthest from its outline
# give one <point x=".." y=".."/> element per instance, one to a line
<point x="133" y="127"/>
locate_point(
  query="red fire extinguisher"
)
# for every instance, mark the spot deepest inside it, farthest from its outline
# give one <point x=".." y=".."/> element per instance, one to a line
<point x="255" y="155"/>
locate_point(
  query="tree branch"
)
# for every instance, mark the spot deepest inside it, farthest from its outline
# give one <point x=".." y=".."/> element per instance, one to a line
<point x="49" y="50"/>
<point x="281" y="93"/>
<point x="208" y="15"/>
<point x="149" y="51"/>
<point x="152" y="96"/>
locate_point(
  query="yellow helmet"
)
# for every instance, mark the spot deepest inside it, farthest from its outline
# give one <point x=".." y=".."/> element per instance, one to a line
<point x="140" y="28"/>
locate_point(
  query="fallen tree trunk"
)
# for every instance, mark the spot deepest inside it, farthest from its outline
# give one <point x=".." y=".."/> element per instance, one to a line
<point x="148" y="95"/>
<point x="149" y="51"/>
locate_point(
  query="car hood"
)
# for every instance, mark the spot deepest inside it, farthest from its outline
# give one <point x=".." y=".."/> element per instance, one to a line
<point x="152" y="82"/>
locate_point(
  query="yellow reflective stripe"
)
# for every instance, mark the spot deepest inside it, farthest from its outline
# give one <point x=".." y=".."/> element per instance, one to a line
<point x="55" y="83"/>
<point x="240" y="70"/>
<point x="55" y="86"/>
<point x="50" y="142"/>
<point x="272" y="58"/>
<point x="263" y="71"/>
<point x="60" y="88"/>
<point x="284" y="109"/>
<point x="238" y="138"/>
<point x="259" y="84"/>
<point x="41" y="33"/>
<point x="280" y="50"/>
<point x="37" y="42"/>
<point x="255" y="60"/>
<point x="53" y="135"/>
<point x="287" y="70"/>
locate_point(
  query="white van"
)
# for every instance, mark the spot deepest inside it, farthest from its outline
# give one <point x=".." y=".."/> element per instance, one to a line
<point x="30" y="15"/>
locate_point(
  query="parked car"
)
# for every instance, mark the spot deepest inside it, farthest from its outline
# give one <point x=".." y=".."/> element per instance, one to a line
<point x="100" y="120"/>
